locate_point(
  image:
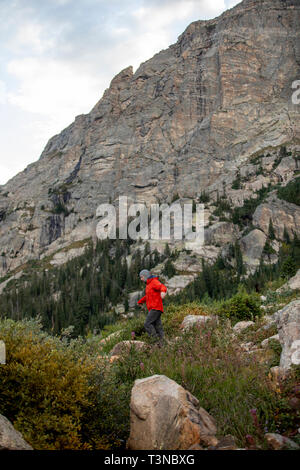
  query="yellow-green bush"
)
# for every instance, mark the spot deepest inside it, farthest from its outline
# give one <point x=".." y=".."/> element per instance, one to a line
<point x="44" y="387"/>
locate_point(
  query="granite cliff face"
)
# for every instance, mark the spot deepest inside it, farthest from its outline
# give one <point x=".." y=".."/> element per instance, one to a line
<point x="187" y="120"/>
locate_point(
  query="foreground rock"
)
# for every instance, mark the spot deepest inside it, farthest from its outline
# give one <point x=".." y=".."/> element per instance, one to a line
<point x="163" y="415"/>
<point x="278" y="442"/>
<point x="124" y="347"/>
<point x="288" y="322"/>
<point x="10" y="439"/>
<point x="225" y="443"/>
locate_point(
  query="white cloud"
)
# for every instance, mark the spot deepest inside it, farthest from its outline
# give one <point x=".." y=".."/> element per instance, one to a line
<point x="52" y="88"/>
<point x="29" y="35"/>
<point x="3" y="95"/>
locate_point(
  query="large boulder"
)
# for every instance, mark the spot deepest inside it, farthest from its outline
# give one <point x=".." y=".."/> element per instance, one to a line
<point x="283" y="215"/>
<point x="221" y="233"/>
<point x="278" y="442"/>
<point x="252" y="246"/>
<point x="187" y="263"/>
<point x="163" y="415"/>
<point x="177" y="283"/>
<point x="10" y="439"/>
<point x="288" y="323"/>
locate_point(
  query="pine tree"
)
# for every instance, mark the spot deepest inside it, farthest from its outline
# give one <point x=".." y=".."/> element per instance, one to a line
<point x="286" y="236"/>
<point x="240" y="269"/>
<point x="271" y="232"/>
<point x="82" y="313"/>
<point x="288" y="268"/>
<point x="167" y="251"/>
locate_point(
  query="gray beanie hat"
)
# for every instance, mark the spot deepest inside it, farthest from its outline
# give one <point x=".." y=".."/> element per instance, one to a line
<point x="145" y="273"/>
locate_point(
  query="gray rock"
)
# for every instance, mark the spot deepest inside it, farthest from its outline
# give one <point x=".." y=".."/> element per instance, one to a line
<point x="192" y="320"/>
<point x="278" y="442"/>
<point x="119" y="309"/>
<point x="252" y="246"/>
<point x="134" y="297"/>
<point x="187" y="264"/>
<point x="2" y="352"/>
<point x="288" y="322"/>
<point x="283" y="215"/>
<point x="221" y="233"/>
<point x="177" y="283"/>
<point x="242" y="325"/>
<point x="66" y="255"/>
<point x="4" y="283"/>
<point x="293" y="283"/>
<point x="10" y="439"/>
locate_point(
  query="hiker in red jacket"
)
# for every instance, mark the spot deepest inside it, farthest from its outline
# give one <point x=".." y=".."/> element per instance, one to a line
<point x="155" y="292"/>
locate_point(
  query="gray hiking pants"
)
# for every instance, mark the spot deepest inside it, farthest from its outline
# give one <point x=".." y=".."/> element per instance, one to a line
<point x="153" y="324"/>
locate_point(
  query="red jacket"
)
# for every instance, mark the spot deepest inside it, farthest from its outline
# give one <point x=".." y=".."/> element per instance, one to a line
<point x="152" y="298"/>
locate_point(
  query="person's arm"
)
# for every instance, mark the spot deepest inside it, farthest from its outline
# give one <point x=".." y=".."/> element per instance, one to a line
<point x="142" y="300"/>
<point x="159" y="286"/>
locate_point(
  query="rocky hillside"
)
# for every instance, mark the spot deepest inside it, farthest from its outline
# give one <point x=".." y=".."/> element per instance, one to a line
<point x="210" y="118"/>
<point x="226" y="377"/>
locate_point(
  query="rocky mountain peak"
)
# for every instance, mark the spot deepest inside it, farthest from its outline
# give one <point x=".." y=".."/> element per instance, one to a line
<point x="187" y="120"/>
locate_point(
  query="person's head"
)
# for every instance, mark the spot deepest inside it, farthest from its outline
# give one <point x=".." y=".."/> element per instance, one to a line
<point x="144" y="274"/>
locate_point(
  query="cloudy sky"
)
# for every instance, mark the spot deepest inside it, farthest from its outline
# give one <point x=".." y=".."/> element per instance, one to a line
<point x="58" y="56"/>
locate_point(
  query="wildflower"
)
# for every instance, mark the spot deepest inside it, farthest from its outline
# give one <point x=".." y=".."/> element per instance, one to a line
<point x="253" y="413"/>
<point x="132" y="335"/>
<point x="142" y="366"/>
<point x="250" y="441"/>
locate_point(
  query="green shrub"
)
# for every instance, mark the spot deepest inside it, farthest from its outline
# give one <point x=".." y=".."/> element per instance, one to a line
<point x="242" y="306"/>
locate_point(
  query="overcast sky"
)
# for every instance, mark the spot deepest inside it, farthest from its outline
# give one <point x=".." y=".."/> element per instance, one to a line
<point x="58" y="56"/>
